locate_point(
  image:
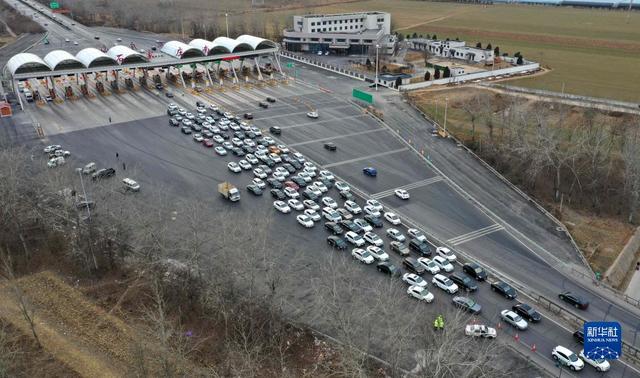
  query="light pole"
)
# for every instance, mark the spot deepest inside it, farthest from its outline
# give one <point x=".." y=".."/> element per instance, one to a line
<point x="226" y="21"/>
<point x="446" y="105"/>
<point x="85" y="195"/>
<point x="377" y="47"/>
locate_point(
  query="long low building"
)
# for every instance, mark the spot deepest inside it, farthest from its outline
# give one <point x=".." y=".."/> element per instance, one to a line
<point x="60" y="62"/>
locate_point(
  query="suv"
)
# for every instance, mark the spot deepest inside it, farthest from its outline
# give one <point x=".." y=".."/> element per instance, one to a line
<point x="527" y="312"/>
<point x="475" y="271"/>
<point x="567" y="358"/>
<point x="413" y="265"/>
<point x="275" y="130"/>
<point x="248" y="116"/>
<point x="420" y="247"/>
<point x="388" y="268"/>
<point x="330" y="146"/>
<point x="463" y="281"/>
<point x="103" y="173"/>
<point x="336" y="242"/>
<point x="399" y="248"/>
<point x="130" y="184"/>
<point x="504" y="289"/>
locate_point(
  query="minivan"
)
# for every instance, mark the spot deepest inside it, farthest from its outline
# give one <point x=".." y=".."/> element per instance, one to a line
<point x="275" y="130"/>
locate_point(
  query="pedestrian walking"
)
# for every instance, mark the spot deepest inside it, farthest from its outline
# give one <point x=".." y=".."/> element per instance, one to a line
<point x="117" y="156"/>
<point x="124" y="167"/>
<point x="109" y="119"/>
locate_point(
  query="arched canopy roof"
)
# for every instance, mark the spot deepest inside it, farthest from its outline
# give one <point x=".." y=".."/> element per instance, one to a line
<point x="232" y="45"/>
<point x="181" y="50"/>
<point x="124" y="55"/>
<point x="60" y="60"/>
<point x="208" y="47"/>
<point x="256" y="43"/>
<point x="92" y="57"/>
<point x="26" y="62"/>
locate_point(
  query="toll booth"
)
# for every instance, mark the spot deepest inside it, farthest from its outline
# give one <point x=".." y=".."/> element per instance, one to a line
<point x="84" y="89"/>
<point x="68" y="92"/>
<point x="129" y="83"/>
<point x="100" y="87"/>
<point x="114" y="85"/>
<point x="52" y="93"/>
<point x="143" y="81"/>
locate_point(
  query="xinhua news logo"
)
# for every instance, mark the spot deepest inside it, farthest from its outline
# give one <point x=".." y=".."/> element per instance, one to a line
<point x="602" y="340"/>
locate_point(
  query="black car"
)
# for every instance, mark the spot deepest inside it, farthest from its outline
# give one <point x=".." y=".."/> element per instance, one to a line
<point x="200" y="104"/>
<point x="399" y="248"/>
<point x="269" y="162"/>
<point x="374" y="221"/>
<point x="420" y="247"/>
<point x="349" y="225"/>
<point x="527" y="312"/>
<point x="224" y="136"/>
<point x="174" y="122"/>
<point x="195" y="127"/>
<point x="263" y="105"/>
<point x="336" y="242"/>
<point x="327" y="183"/>
<point x="309" y="195"/>
<point x="299" y="181"/>
<point x="185" y="130"/>
<point x="250" y="134"/>
<point x="267" y="170"/>
<point x="475" y="271"/>
<point x="103" y="173"/>
<point x="574" y="300"/>
<point x="254" y="189"/>
<point x="334" y="228"/>
<point x="330" y="146"/>
<point x="289" y="168"/>
<point x="504" y="289"/>
<point x="278" y="194"/>
<point x="271" y="99"/>
<point x="159" y="87"/>
<point x="413" y="266"/>
<point x="275" y="130"/>
<point x="171" y="112"/>
<point x="463" y="281"/>
<point x="248" y="149"/>
<point x="237" y="151"/>
<point x="296" y="164"/>
<point x="579" y="336"/>
<point x="275" y="184"/>
<point x="248" y="116"/>
<point x="388" y="268"/>
<point x="207" y="134"/>
<point x="239" y="134"/>
<point x="467" y="304"/>
<point x="169" y="94"/>
<point x="347" y="195"/>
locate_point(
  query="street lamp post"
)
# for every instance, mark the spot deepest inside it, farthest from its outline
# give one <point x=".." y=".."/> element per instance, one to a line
<point x="377" y="47"/>
<point x="226" y="21"/>
<point x="446" y="105"/>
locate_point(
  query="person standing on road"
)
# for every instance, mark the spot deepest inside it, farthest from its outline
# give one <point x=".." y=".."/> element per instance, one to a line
<point x="124" y="167"/>
<point x="109" y="119"/>
<point x="117" y="156"/>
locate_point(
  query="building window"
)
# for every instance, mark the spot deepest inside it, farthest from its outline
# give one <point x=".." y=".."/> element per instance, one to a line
<point x="368" y="41"/>
<point x="313" y="30"/>
<point x="353" y="41"/>
<point x="313" y="24"/>
<point x="315" y="39"/>
<point x="341" y="40"/>
<point x="324" y="22"/>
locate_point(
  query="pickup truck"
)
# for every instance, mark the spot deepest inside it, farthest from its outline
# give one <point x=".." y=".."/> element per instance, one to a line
<point x="503" y="289"/>
<point x="229" y="191"/>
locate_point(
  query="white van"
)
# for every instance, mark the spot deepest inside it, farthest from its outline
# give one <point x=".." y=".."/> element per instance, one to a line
<point x="89" y="168"/>
<point x="130" y="184"/>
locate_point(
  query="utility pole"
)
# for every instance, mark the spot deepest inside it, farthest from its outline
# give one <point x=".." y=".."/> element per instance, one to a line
<point x="226" y="21"/>
<point x="446" y="105"/>
<point x="377" y="47"/>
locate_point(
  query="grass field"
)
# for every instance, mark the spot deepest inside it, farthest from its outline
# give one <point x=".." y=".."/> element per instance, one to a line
<point x="593" y="52"/>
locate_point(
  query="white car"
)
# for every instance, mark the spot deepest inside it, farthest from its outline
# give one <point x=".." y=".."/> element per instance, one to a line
<point x="378" y="253"/>
<point x="322" y="187"/>
<point x="446" y="253"/>
<point x="429" y="265"/>
<point x="566" y="357"/>
<point x="295" y="204"/>
<point x="342" y="186"/>
<point x="313" y="215"/>
<point x="352" y="207"/>
<point x="396" y="235"/>
<point x="375" y="204"/>
<point x="251" y="159"/>
<point x="374" y="239"/>
<point x="52" y="148"/>
<point x="354" y="239"/>
<point x="329" y="202"/>
<point x="291" y="193"/>
<point x="443" y="263"/>
<point x="444" y="283"/>
<point x="479" y="330"/>
<point x="414" y="280"/>
<point x="198" y="137"/>
<point x="305" y="221"/>
<point x="259" y="173"/>
<point x="402" y="194"/>
<point x="420" y="293"/>
<point x="279" y="176"/>
<point x="282" y="171"/>
<point x="417" y="234"/>
<point x="259" y="183"/>
<point x="234" y="167"/>
<point x="362" y="256"/>
<point x="56" y="161"/>
<point x="305" y="176"/>
<point x="282" y="207"/>
<point x="298" y="156"/>
<point x="284" y="149"/>
<point x="599" y="364"/>
<point x="514" y="319"/>
<point x="276" y="158"/>
<point x="309" y="204"/>
<point x="392" y="218"/>
<point x="331" y="215"/>
<point x="327" y="175"/>
<point x="364" y="225"/>
<point x="244" y="165"/>
<point x="311" y="172"/>
<point x="372" y="211"/>
<point x="313" y="189"/>
<point x="312" y="114"/>
<point x="220" y="151"/>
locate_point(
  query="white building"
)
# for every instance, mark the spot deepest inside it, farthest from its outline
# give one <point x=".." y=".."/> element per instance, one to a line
<point x="452" y="49"/>
<point x="348" y="33"/>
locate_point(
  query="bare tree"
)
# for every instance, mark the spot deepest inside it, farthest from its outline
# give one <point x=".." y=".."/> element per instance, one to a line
<point x="631" y="158"/>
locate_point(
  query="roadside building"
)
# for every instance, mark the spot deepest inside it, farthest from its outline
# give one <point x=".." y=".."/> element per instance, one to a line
<point x="391" y="79"/>
<point x="452" y="49"/>
<point x="344" y="33"/>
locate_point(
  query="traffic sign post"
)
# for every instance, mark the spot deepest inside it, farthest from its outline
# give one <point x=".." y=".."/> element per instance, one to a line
<point x="364" y="96"/>
<point x="54" y="5"/>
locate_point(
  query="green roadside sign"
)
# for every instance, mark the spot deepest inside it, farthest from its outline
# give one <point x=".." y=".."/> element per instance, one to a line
<point x="54" y="5"/>
<point x="364" y="96"/>
<point x="290" y="65"/>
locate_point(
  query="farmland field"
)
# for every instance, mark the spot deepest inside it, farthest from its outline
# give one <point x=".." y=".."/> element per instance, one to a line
<point x="593" y="52"/>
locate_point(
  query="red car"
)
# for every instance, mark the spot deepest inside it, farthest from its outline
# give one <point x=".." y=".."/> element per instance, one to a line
<point x="291" y="184"/>
<point x="208" y="143"/>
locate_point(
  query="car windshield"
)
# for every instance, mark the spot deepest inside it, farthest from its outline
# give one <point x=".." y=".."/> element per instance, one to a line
<point x="478" y="270"/>
<point x="573" y="357"/>
<point x="517" y="318"/>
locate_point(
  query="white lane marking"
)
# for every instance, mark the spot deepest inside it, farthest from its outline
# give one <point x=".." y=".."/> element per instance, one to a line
<point x="322" y="121"/>
<point x="407" y="187"/>
<point x="366" y="157"/>
<point x="335" y="137"/>
<point x="475" y="234"/>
